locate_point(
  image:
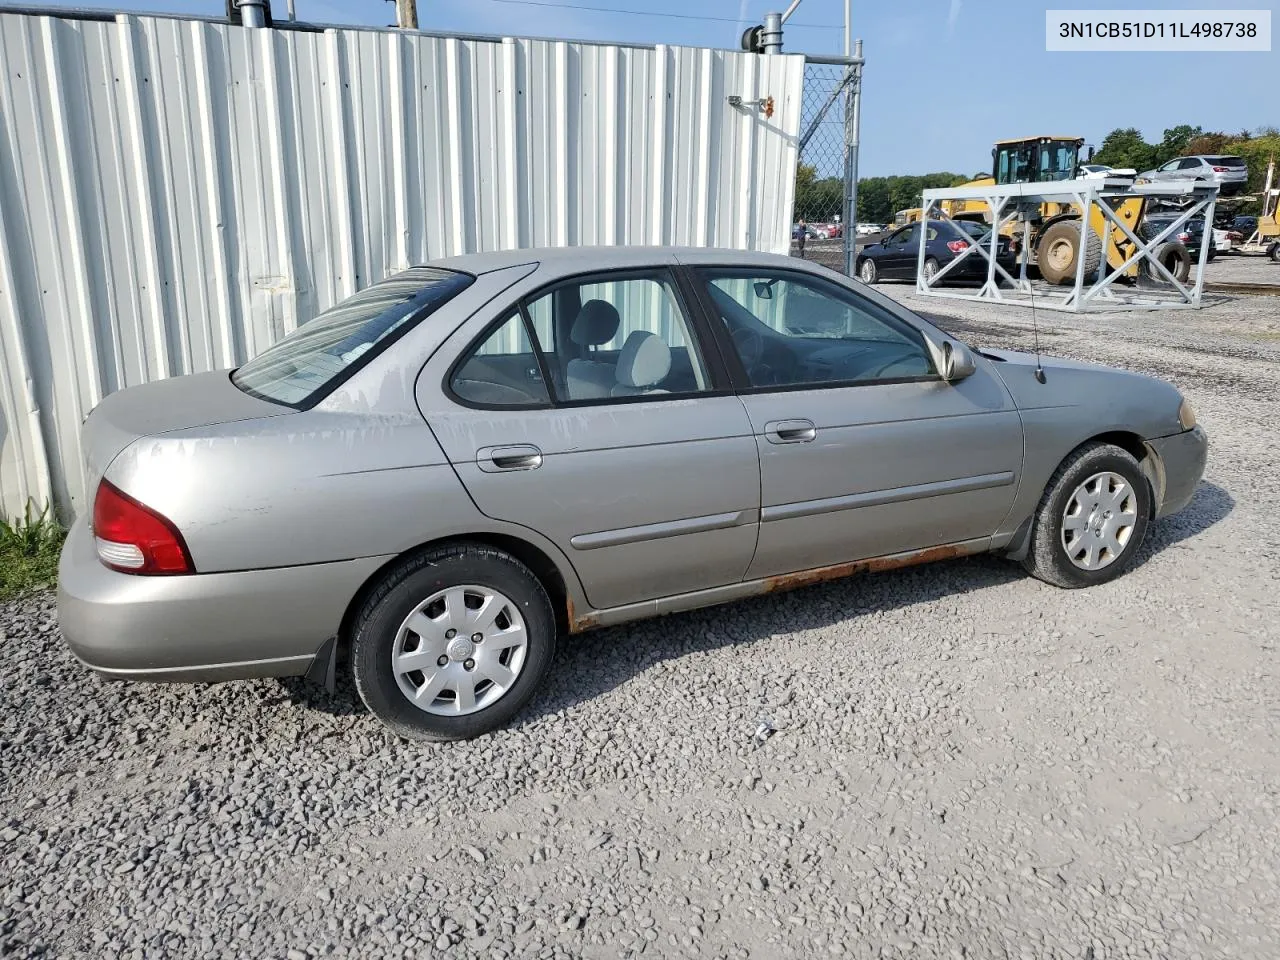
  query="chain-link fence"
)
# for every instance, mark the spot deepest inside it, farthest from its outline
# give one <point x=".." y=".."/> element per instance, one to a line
<point x="818" y="227"/>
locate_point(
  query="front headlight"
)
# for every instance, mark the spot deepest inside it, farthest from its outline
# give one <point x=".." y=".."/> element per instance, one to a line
<point x="1186" y="415"/>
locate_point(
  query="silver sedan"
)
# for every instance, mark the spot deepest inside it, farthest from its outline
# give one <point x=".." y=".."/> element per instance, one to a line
<point x="431" y="482"/>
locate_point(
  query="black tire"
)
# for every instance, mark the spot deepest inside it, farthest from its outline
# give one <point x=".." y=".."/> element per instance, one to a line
<point x="931" y="267"/>
<point x="1047" y="557"/>
<point x="406" y="586"/>
<point x="1175" y="258"/>
<point x="1057" y="254"/>
<point x="868" y="272"/>
<point x="1274" y="251"/>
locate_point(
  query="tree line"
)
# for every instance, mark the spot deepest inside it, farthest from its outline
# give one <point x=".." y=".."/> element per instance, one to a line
<point x="821" y="199"/>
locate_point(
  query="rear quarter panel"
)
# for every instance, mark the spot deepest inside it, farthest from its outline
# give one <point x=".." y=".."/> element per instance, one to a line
<point x="359" y="475"/>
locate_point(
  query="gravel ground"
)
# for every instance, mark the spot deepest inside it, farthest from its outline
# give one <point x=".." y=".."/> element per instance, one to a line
<point x="966" y="763"/>
<point x="1242" y="268"/>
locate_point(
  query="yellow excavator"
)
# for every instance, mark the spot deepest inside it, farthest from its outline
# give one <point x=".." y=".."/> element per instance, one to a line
<point x="1055" y="227"/>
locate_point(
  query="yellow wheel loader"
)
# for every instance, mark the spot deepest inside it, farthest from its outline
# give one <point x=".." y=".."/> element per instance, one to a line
<point x="1055" y="227"/>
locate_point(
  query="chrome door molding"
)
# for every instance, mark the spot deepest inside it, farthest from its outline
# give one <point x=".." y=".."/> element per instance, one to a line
<point x="872" y="498"/>
<point x="657" y="531"/>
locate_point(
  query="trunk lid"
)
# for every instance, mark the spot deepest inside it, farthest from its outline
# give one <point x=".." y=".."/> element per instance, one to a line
<point x="179" y="403"/>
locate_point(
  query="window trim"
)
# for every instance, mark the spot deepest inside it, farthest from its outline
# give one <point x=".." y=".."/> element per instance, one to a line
<point x="317" y="397"/>
<point x="707" y="344"/>
<point x="738" y="373"/>
<point x="504" y="317"/>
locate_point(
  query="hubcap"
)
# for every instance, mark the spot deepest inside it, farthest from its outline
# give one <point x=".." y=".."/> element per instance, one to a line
<point x="460" y="650"/>
<point x="930" y="269"/>
<point x="868" y="270"/>
<point x="1098" y="521"/>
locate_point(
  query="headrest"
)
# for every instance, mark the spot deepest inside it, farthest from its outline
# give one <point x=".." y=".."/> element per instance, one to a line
<point x="645" y="360"/>
<point x="597" y="323"/>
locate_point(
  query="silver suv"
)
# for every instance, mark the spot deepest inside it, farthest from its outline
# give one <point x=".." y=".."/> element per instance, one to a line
<point x="1230" y="173"/>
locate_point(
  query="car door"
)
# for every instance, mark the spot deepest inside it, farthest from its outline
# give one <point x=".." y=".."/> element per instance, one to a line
<point x="589" y="412"/>
<point x="899" y="258"/>
<point x="864" y="450"/>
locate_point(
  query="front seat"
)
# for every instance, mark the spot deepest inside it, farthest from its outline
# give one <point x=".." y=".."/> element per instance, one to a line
<point x="644" y="363"/>
<point x="596" y="324"/>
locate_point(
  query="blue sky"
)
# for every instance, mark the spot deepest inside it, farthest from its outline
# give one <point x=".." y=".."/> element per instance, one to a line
<point x="944" y="78"/>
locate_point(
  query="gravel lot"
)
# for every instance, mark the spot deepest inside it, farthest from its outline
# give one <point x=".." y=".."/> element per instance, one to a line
<point x="967" y="763"/>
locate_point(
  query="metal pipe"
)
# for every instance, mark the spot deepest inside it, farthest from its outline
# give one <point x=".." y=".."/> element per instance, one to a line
<point x="293" y="13"/>
<point x="790" y="10"/>
<point x="771" y="36"/>
<point x="853" y="123"/>
<point x="253" y="13"/>
<point x="848" y="21"/>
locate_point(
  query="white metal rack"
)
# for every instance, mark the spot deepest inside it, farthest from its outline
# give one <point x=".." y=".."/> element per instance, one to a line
<point x="1100" y="290"/>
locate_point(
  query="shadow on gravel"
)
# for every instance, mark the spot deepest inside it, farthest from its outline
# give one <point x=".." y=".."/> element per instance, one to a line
<point x="590" y="664"/>
<point x="1210" y="504"/>
<point x="343" y="702"/>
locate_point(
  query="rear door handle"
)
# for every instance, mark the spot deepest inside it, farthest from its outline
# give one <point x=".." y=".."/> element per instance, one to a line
<point x="790" y="431"/>
<point x="523" y="456"/>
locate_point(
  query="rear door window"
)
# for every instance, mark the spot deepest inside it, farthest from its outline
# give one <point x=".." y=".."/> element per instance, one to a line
<point x="312" y="361"/>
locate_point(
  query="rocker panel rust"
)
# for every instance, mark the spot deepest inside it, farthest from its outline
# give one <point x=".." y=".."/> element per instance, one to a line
<point x="838" y="571"/>
<point x="776" y="584"/>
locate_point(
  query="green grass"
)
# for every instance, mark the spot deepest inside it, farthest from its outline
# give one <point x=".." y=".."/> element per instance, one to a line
<point x="29" y="547"/>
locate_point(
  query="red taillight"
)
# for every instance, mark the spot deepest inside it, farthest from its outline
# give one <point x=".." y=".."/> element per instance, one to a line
<point x="134" y="539"/>
<point x="1220" y="169"/>
<point x="1184" y="237"/>
<point x="956" y="246"/>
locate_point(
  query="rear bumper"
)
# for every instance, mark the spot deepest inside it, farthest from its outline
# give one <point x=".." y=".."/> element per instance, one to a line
<point x="1182" y="459"/>
<point x="213" y="626"/>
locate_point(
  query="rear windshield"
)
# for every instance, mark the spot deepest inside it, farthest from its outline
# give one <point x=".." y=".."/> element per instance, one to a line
<point x="319" y="355"/>
<point x="1229" y="161"/>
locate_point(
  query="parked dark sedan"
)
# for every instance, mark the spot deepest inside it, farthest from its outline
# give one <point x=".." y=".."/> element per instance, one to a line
<point x="1245" y="226"/>
<point x="897" y="255"/>
<point x="1189" y="234"/>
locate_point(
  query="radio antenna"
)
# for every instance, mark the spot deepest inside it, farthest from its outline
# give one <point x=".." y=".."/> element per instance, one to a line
<point x="1031" y="286"/>
<point x="1035" y="332"/>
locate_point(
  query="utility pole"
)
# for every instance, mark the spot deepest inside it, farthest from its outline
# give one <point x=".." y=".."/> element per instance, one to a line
<point x="852" y="135"/>
<point x="407" y="14"/>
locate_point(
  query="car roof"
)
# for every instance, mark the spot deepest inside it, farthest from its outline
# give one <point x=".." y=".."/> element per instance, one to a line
<point x="587" y="259"/>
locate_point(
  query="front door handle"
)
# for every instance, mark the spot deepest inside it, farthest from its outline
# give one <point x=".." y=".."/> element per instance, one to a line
<point x="523" y="456"/>
<point x="790" y="431"/>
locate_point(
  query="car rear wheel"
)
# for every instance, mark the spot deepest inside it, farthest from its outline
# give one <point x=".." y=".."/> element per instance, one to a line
<point x="867" y="271"/>
<point x="1274" y="252"/>
<point x="931" y="269"/>
<point x="452" y="643"/>
<point x="1091" y="520"/>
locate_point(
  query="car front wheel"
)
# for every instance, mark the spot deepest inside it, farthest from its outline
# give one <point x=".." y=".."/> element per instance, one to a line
<point x="867" y="271"/>
<point x="452" y="643"/>
<point x="1091" y="520"/>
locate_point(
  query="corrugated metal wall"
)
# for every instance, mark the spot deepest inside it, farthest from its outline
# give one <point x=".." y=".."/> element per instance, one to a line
<point x="176" y="195"/>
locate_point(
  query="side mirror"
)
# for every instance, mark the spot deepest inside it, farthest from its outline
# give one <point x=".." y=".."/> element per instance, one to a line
<point x="764" y="289"/>
<point x="957" y="361"/>
<point x="953" y="360"/>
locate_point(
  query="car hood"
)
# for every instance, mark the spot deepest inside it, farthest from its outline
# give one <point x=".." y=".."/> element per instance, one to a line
<point x="150" y="409"/>
<point x="1106" y="398"/>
